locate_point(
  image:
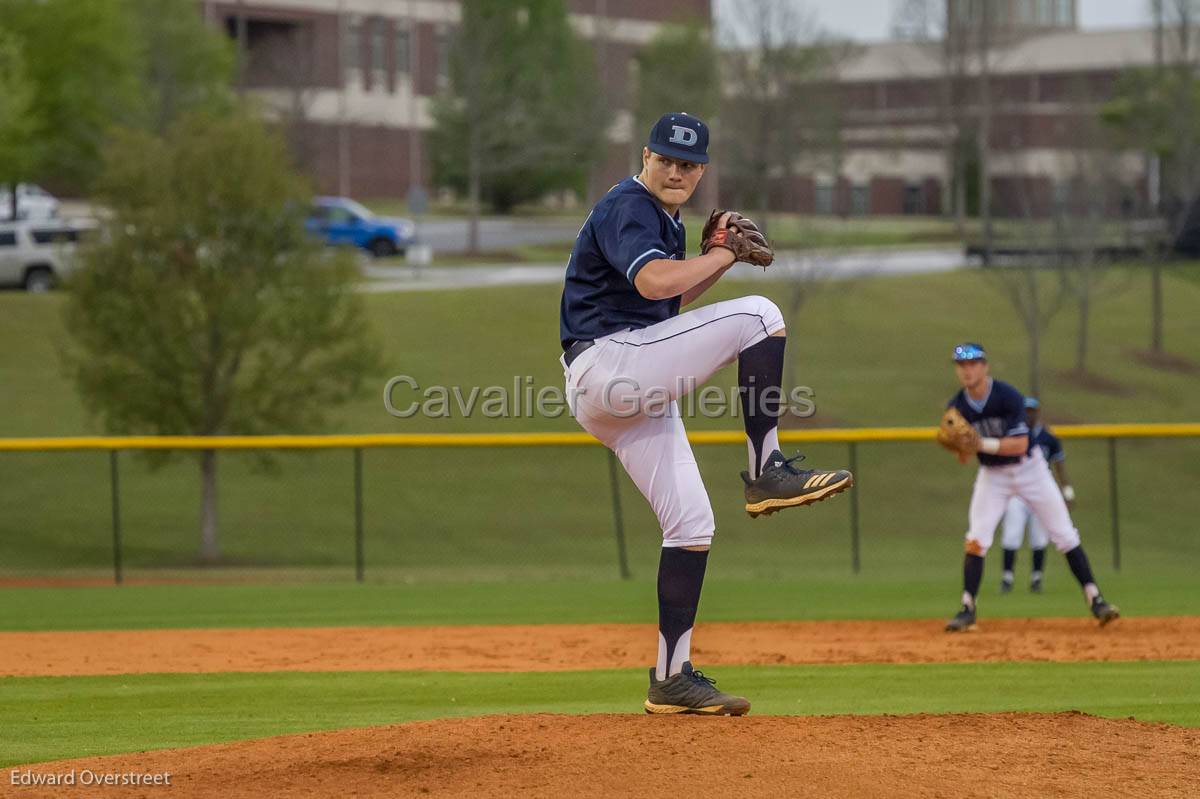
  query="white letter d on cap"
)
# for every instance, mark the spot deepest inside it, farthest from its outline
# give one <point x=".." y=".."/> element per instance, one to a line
<point x="681" y="135"/>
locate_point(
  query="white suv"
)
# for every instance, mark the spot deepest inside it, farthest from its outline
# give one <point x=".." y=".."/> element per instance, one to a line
<point x="33" y="202"/>
<point x="37" y="254"/>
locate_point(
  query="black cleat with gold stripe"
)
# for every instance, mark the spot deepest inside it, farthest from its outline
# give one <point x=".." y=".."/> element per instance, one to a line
<point x="781" y="485"/>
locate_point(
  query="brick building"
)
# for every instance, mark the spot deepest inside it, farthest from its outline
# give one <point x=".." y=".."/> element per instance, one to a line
<point x="899" y="132"/>
<point x="350" y="81"/>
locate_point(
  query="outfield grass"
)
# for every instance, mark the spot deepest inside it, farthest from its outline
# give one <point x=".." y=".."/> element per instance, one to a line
<point x="813" y="596"/>
<point x="873" y="351"/>
<point x="47" y="718"/>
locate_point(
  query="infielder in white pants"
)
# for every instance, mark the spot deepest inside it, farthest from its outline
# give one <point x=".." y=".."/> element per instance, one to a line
<point x="1009" y="466"/>
<point x="629" y="355"/>
<point x="1018" y="515"/>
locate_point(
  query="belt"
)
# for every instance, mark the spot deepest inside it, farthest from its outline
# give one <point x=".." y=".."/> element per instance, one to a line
<point x="575" y="350"/>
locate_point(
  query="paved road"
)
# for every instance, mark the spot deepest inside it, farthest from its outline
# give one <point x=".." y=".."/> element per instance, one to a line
<point x="831" y="265"/>
<point x="450" y="235"/>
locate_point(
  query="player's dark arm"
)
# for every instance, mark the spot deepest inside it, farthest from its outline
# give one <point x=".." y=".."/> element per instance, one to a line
<point x="664" y="278"/>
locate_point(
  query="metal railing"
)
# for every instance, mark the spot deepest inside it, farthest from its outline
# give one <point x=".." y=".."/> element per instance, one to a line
<point x="852" y="438"/>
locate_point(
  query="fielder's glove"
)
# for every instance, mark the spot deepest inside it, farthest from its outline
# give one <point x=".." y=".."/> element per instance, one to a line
<point x="740" y="236"/>
<point x="956" y="434"/>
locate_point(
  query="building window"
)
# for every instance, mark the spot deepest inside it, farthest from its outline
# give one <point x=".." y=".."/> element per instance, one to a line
<point x="914" y="199"/>
<point x="823" y="198"/>
<point x="352" y="44"/>
<point x="1064" y="13"/>
<point x="442" y="47"/>
<point x="860" y="200"/>
<point x="403" y="51"/>
<point x="379" y="46"/>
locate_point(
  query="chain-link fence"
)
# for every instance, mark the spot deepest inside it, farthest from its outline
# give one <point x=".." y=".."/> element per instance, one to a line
<point x="529" y="506"/>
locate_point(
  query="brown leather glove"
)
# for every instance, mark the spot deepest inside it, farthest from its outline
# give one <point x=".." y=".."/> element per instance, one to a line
<point x="956" y="434"/>
<point x="740" y="236"/>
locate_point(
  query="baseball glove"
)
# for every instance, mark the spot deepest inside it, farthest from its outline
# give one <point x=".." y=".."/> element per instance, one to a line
<point x="740" y="236"/>
<point x="956" y="434"/>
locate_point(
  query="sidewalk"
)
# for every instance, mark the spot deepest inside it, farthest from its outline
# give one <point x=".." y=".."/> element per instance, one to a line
<point x="795" y="265"/>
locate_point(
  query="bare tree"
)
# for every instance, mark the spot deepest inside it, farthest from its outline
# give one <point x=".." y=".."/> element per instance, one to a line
<point x="784" y="109"/>
<point x="954" y="38"/>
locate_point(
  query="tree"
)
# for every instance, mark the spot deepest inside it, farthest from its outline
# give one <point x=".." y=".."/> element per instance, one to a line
<point x="521" y="116"/>
<point x="1158" y="110"/>
<point x="17" y="144"/>
<point x="90" y="81"/>
<point x="1023" y="283"/>
<point x="204" y="309"/>
<point x="185" y="64"/>
<point x="666" y="82"/>
<point x="782" y="109"/>
<point x="132" y="63"/>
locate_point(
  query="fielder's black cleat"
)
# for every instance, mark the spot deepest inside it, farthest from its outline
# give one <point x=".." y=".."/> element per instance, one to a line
<point x="963" y="621"/>
<point x="1104" y="612"/>
<point x="1006" y="585"/>
<point x="693" y="693"/>
<point x="782" y="485"/>
<point x="1035" y="584"/>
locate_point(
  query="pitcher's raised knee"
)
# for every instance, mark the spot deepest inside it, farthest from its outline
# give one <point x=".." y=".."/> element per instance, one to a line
<point x="768" y="312"/>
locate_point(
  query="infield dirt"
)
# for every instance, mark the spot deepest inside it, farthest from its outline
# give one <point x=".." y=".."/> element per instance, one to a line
<point x="559" y="647"/>
<point x="957" y="755"/>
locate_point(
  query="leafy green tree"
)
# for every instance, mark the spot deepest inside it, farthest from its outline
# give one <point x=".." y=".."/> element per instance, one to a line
<point x="520" y="117"/>
<point x="676" y="71"/>
<point x="17" y="152"/>
<point x="85" y="81"/>
<point x="203" y="308"/>
<point x="128" y="63"/>
<point x="185" y="64"/>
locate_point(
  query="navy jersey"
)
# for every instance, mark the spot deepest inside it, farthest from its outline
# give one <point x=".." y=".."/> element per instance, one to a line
<point x="1051" y="446"/>
<point x="1000" y="414"/>
<point x="625" y="231"/>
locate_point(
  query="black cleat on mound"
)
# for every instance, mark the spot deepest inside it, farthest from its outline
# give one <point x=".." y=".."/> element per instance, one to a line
<point x="691" y="692"/>
<point x="781" y="485"/>
<point x="963" y="621"/>
<point x="1104" y="612"/>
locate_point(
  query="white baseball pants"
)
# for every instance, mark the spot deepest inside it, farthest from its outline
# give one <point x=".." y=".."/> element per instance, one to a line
<point x="1016" y="516"/>
<point x="624" y="389"/>
<point x="1031" y="481"/>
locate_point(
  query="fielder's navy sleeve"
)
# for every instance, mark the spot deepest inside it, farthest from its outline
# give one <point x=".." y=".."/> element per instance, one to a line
<point x="1014" y="414"/>
<point x="631" y="236"/>
<point x="1054" y="449"/>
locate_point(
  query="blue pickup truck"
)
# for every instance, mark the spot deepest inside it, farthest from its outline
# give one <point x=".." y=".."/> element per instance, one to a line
<point x="340" y="221"/>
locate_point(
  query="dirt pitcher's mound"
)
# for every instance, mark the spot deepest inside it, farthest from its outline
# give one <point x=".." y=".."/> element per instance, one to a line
<point x="1019" y="755"/>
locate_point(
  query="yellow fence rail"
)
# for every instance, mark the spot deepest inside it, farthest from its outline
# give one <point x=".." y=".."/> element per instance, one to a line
<point x="369" y="440"/>
<point x="852" y="437"/>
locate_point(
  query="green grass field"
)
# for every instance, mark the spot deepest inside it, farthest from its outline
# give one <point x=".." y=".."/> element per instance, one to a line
<point x="534" y="543"/>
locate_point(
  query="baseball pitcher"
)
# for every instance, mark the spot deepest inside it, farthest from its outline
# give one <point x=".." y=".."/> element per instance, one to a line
<point x="629" y="354"/>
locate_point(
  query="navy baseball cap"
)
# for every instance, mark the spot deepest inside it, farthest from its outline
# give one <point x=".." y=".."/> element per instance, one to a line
<point x="969" y="351"/>
<point x="681" y="136"/>
<point x="1032" y="404"/>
